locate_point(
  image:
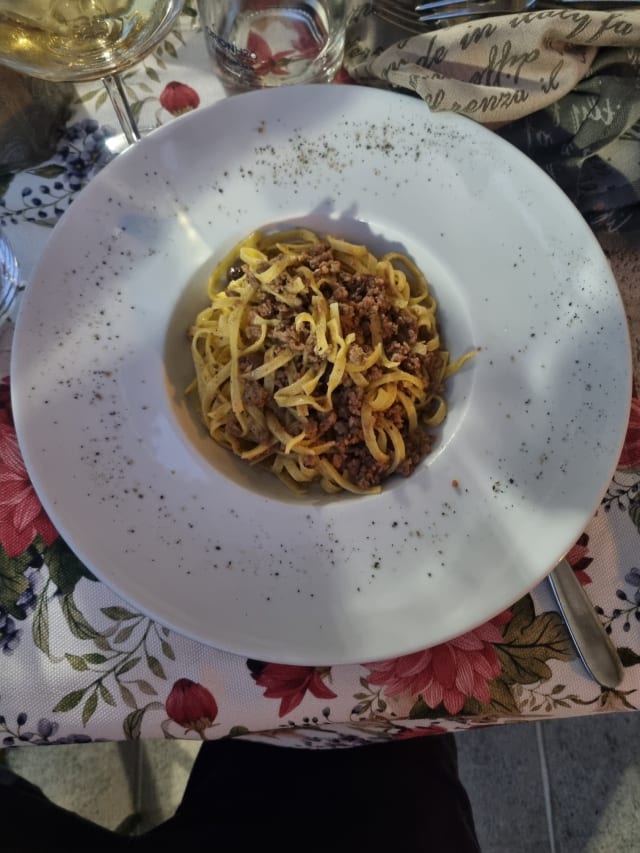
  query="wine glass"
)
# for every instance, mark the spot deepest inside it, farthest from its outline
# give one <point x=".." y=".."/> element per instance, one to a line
<point x="79" y="40"/>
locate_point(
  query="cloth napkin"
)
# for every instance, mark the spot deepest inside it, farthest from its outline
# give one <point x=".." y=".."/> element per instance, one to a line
<point x="563" y="85"/>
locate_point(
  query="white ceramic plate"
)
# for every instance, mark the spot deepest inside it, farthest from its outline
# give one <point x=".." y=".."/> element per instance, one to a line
<point x="217" y="550"/>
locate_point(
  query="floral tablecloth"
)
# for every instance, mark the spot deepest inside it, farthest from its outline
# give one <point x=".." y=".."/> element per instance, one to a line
<point x="79" y="664"/>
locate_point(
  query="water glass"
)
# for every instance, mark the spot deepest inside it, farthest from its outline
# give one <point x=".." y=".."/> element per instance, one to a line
<point x="8" y="277"/>
<point x="263" y="43"/>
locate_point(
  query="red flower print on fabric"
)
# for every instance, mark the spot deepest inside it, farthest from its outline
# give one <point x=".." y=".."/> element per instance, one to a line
<point x="630" y="456"/>
<point x="343" y="77"/>
<point x="191" y="705"/>
<point x="21" y="515"/>
<point x="178" y="98"/>
<point x="450" y="672"/>
<point x="578" y="558"/>
<point x="290" y="683"/>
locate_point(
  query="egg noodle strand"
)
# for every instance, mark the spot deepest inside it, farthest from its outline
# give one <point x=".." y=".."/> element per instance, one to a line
<point x="296" y="368"/>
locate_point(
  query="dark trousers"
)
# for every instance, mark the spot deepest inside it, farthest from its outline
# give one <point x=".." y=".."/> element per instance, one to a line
<point x="403" y="795"/>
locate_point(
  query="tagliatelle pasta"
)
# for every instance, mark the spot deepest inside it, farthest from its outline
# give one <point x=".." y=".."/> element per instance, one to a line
<point x="320" y="361"/>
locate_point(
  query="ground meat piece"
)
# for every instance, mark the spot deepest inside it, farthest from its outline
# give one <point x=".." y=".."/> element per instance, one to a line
<point x="389" y="327"/>
<point x="247" y="363"/>
<point x="363" y="471"/>
<point x="397" y="415"/>
<point x="319" y="424"/>
<point x="266" y="306"/>
<point x="233" y="427"/>
<point x="352" y="323"/>
<point x="417" y="445"/>
<point x="347" y="405"/>
<point x="398" y="350"/>
<point x="399" y="326"/>
<point x="290" y="338"/>
<point x="280" y="379"/>
<point x="356" y="354"/>
<point x="338" y="293"/>
<point x="254" y="394"/>
<point x="252" y="331"/>
<point x="319" y="255"/>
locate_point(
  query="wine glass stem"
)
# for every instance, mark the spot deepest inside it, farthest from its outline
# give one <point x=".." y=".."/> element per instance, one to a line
<point x="120" y="103"/>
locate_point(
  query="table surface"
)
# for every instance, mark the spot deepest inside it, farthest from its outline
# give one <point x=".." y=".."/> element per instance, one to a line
<point x="80" y="664"/>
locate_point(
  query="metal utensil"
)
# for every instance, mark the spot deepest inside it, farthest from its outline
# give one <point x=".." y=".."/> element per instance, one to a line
<point x="434" y="11"/>
<point x="593" y="644"/>
<point x="406" y="15"/>
<point x="399" y="13"/>
<point x="445" y="10"/>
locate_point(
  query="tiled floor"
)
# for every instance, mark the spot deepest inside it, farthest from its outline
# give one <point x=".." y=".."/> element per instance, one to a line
<point x="566" y="786"/>
<point x="570" y="786"/>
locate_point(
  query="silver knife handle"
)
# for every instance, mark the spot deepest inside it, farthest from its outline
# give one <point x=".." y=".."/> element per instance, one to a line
<point x="593" y="644"/>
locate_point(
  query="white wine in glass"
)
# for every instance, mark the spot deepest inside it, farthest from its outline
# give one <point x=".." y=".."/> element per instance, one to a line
<point x="77" y="40"/>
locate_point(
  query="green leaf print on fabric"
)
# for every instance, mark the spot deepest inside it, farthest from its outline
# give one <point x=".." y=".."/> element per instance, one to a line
<point x="13" y="583"/>
<point x="530" y="641"/>
<point x="65" y="569"/>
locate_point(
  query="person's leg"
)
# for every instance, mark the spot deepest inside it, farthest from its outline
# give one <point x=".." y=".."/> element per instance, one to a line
<point x="240" y="794"/>
<point x="404" y="793"/>
<point x="32" y="823"/>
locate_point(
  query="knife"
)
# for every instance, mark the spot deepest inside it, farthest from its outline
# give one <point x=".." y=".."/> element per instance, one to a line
<point x="593" y="644"/>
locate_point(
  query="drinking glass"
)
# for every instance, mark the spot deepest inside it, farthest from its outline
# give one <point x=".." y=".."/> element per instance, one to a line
<point x="262" y="43"/>
<point x="8" y="277"/>
<point x="79" y="40"/>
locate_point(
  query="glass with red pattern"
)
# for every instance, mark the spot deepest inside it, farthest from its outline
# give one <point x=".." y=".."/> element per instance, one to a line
<point x="263" y="43"/>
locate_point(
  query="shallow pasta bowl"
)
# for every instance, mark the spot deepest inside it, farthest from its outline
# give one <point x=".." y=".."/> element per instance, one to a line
<point x="222" y="552"/>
